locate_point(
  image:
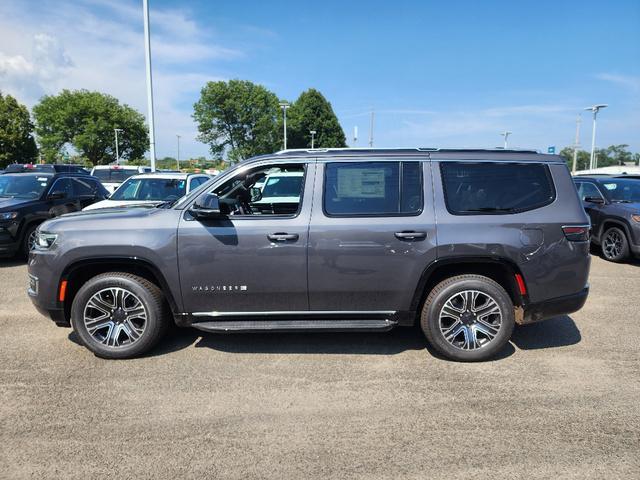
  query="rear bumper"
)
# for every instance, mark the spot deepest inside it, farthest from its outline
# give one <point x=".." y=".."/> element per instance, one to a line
<point x="535" y="312"/>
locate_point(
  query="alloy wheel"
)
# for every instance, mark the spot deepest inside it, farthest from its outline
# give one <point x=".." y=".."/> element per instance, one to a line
<point x="115" y="317"/>
<point x="612" y="244"/>
<point x="31" y="241"/>
<point x="470" y="319"/>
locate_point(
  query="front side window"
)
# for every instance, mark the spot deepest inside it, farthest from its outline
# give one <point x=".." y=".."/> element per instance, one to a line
<point x="84" y="187"/>
<point x="472" y="188"/>
<point x="587" y="189"/>
<point x="152" y="189"/>
<point x="373" y="188"/>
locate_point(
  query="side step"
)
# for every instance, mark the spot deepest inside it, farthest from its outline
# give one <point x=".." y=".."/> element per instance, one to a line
<point x="295" y="325"/>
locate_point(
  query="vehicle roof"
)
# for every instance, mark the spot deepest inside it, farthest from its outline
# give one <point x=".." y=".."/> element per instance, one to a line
<point x="497" y="154"/>
<point x="169" y="175"/>
<point x="605" y="177"/>
<point x="118" y="167"/>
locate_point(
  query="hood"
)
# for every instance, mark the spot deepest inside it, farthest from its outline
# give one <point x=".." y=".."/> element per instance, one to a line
<point x="121" y="204"/>
<point x="104" y="219"/>
<point x="8" y="204"/>
<point x="633" y="207"/>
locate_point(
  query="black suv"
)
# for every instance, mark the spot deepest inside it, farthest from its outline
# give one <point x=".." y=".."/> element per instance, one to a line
<point x="28" y="199"/>
<point x="466" y="242"/>
<point x="613" y="203"/>
<point x="45" y="167"/>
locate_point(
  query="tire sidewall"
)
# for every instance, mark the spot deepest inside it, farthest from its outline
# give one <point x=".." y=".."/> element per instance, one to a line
<point x="624" y="253"/>
<point x="108" y="281"/>
<point x="25" y="239"/>
<point x="430" y="319"/>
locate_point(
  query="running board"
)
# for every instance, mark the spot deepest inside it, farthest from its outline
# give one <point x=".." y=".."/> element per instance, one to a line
<point x="295" y="325"/>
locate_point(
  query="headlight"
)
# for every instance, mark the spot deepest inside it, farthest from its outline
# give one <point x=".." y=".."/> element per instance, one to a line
<point x="8" y="215"/>
<point x="635" y="218"/>
<point x="45" y="240"/>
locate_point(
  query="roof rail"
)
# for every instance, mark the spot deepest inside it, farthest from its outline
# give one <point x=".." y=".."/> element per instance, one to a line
<point x="417" y="149"/>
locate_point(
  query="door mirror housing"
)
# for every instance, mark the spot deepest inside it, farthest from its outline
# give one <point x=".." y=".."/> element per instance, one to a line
<point x="598" y="200"/>
<point x="256" y="194"/>
<point x="57" y="195"/>
<point x="206" y="206"/>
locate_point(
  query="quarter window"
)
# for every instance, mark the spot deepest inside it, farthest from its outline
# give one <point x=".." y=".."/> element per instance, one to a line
<point x="373" y="188"/>
<point x="495" y="188"/>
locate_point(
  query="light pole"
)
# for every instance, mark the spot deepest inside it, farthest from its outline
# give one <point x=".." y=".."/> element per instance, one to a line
<point x="284" y="106"/>
<point x="576" y="146"/>
<point x="147" y="51"/>
<point x="117" y="153"/>
<point x="178" y="158"/>
<point x="505" y="134"/>
<point x="313" y="136"/>
<point x="594" y="109"/>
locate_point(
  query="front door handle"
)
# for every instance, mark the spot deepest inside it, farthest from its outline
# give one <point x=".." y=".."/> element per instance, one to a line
<point x="282" y="237"/>
<point x="410" y="235"/>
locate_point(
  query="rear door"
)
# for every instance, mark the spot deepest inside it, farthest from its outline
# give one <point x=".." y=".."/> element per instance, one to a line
<point x="594" y="210"/>
<point x="372" y="234"/>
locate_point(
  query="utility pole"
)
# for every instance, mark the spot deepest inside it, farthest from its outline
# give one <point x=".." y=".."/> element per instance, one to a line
<point x="178" y="158"/>
<point x="117" y="153"/>
<point x="576" y="146"/>
<point x="371" y="129"/>
<point x="355" y="135"/>
<point x="595" y="108"/>
<point x="284" y="106"/>
<point x="147" y="50"/>
<point x="505" y="134"/>
<point x="313" y="136"/>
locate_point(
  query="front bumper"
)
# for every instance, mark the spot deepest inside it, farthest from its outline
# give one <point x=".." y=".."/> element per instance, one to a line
<point x="9" y="244"/>
<point x="43" y="286"/>
<point x="535" y="312"/>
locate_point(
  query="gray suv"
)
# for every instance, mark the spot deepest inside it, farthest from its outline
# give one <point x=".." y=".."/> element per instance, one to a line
<point x="467" y="243"/>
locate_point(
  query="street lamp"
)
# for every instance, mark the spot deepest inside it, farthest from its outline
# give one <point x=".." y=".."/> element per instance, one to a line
<point x="505" y="134"/>
<point x="147" y="57"/>
<point x="117" y="153"/>
<point x="178" y="158"/>
<point x="284" y="106"/>
<point x="594" y="109"/>
<point x="313" y="136"/>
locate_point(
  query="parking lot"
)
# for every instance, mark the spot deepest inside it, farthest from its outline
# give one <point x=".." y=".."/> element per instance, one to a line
<point x="562" y="400"/>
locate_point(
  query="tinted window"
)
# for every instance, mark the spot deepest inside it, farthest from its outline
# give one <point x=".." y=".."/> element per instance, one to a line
<point x="373" y="188"/>
<point x="586" y="189"/>
<point x="63" y="185"/>
<point x="23" y="186"/>
<point x="282" y="186"/>
<point x="622" y="190"/>
<point x="495" y="188"/>
<point x="114" y="175"/>
<point x="84" y="187"/>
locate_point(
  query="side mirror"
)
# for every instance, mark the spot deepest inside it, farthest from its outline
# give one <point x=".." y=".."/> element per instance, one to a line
<point x="598" y="200"/>
<point x="57" y="195"/>
<point x="256" y="194"/>
<point x="206" y="206"/>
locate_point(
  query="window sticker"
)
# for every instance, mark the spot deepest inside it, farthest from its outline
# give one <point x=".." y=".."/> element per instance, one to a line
<point x="42" y="179"/>
<point x="361" y="182"/>
<point x="610" y="186"/>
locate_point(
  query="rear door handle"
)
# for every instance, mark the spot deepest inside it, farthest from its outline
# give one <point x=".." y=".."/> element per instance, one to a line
<point x="282" y="237"/>
<point x="410" y="235"/>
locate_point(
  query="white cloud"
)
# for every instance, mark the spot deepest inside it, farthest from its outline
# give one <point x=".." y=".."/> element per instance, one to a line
<point x="626" y="81"/>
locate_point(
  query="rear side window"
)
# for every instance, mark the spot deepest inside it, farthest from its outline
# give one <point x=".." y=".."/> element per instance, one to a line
<point x="373" y="188"/>
<point x="495" y="188"/>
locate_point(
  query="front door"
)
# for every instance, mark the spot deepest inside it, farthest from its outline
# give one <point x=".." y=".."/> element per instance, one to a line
<point x="371" y="236"/>
<point x="249" y="261"/>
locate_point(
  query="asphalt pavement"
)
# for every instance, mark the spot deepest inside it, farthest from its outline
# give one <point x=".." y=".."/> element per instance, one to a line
<point x="561" y="401"/>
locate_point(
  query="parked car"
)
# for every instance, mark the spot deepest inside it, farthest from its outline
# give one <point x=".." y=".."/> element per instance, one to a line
<point x="613" y="204"/>
<point x="152" y="189"/>
<point x="45" y="167"/>
<point x="112" y="176"/>
<point x="28" y="199"/>
<point x="466" y="242"/>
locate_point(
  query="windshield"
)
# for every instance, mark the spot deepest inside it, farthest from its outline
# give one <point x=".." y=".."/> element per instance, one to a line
<point x="623" y="190"/>
<point x="282" y="187"/>
<point x="114" y="175"/>
<point x="23" y="186"/>
<point x="159" y="189"/>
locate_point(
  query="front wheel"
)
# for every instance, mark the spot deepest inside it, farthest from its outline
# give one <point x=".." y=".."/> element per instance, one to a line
<point x="468" y="318"/>
<point x="119" y="315"/>
<point x="615" y="246"/>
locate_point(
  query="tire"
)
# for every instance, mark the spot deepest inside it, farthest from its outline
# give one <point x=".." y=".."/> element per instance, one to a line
<point x="465" y="295"/>
<point x="614" y="244"/>
<point x="25" y="248"/>
<point x="119" y="315"/>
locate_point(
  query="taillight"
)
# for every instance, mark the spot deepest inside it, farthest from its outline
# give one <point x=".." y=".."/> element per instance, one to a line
<point x="577" y="233"/>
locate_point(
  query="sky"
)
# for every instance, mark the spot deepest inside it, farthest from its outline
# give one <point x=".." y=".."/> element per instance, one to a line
<point x="437" y="74"/>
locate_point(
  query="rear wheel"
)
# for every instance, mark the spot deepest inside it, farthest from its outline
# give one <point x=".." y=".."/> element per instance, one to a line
<point x="468" y="318"/>
<point x="615" y="246"/>
<point x="119" y="315"/>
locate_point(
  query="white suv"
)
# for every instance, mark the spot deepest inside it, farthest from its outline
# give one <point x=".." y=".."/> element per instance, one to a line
<point x="112" y="176"/>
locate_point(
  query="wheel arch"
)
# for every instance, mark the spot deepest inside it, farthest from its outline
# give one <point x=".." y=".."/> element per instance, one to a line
<point x="616" y="222"/>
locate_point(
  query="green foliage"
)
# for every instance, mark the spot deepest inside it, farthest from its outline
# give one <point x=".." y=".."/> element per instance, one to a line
<point x="86" y="120"/>
<point x="311" y="111"/>
<point x="237" y="119"/>
<point x="16" y="140"/>
<point x="606" y="157"/>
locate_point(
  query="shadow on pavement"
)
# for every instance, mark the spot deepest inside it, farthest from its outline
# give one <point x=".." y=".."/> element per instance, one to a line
<point x="556" y="332"/>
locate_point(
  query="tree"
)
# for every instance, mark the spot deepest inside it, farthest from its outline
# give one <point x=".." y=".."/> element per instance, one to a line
<point x="582" y="162"/>
<point x="311" y="111"/>
<point x="86" y="120"/>
<point x="16" y="140"/>
<point x="619" y="154"/>
<point x="237" y="119"/>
